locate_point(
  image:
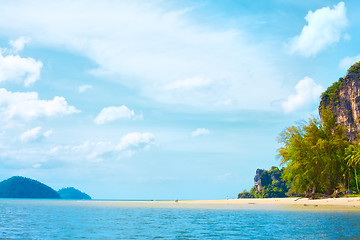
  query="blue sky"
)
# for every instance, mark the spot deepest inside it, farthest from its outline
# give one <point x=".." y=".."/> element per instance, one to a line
<point x="162" y="99"/>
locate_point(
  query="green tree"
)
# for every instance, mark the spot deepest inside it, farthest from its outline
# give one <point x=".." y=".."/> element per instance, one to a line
<point x="313" y="153"/>
<point x="272" y="185"/>
<point x="353" y="160"/>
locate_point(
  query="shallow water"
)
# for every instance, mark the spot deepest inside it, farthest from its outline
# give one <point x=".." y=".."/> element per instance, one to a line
<point x="61" y="219"/>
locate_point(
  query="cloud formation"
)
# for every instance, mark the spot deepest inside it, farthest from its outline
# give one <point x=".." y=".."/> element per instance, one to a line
<point x="199" y="132"/>
<point x="133" y="142"/>
<point x="324" y="27"/>
<point x="27" y="106"/>
<point x="14" y="68"/>
<point x="347" y="62"/>
<point x="18" y="44"/>
<point x="129" y="144"/>
<point x="84" y="88"/>
<point x="112" y="113"/>
<point x="307" y="92"/>
<point x="34" y="134"/>
<point x="154" y="48"/>
<point x="88" y="152"/>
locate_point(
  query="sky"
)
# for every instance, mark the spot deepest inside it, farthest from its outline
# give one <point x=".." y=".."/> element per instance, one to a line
<point x="162" y="99"/>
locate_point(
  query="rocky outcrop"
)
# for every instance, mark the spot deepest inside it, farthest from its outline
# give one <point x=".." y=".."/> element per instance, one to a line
<point x="268" y="184"/>
<point x="343" y="99"/>
<point x="266" y="177"/>
<point x="257" y="180"/>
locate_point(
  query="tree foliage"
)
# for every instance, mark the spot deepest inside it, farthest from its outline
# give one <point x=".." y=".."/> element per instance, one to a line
<point x="353" y="160"/>
<point x="272" y="185"/>
<point x="314" y="155"/>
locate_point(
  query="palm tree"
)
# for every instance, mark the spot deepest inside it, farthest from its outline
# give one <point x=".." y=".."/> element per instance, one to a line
<point x="353" y="160"/>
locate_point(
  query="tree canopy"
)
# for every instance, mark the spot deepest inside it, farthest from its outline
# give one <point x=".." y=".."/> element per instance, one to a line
<point x="313" y="154"/>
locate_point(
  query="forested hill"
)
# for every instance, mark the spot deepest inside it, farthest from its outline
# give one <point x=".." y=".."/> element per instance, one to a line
<point x="21" y="187"/>
<point x="73" y="193"/>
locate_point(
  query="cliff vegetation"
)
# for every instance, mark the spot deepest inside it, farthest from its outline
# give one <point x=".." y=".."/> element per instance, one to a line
<point x="268" y="184"/>
<point x="343" y="99"/>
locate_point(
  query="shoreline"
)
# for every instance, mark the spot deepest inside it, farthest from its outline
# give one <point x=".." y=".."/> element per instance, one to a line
<point x="351" y="201"/>
<point x="287" y="204"/>
<point x="296" y="204"/>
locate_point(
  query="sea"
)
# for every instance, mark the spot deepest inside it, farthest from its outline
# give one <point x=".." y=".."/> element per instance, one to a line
<point x="62" y="219"/>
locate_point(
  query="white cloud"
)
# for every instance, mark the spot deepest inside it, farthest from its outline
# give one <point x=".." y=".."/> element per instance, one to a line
<point x="27" y="106"/>
<point x="83" y="154"/>
<point x="17" y="69"/>
<point x="151" y="46"/>
<point x="112" y="113"/>
<point x="92" y="151"/>
<point x="188" y="83"/>
<point x="199" y="132"/>
<point x="48" y="133"/>
<point x="324" y="28"/>
<point x="347" y="62"/>
<point x="133" y="142"/>
<point x="307" y="92"/>
<point x="34" y="134"/>
<point x="19" y="43"/>
<point x="84" y="88"/>
<point x="129" y="144"/>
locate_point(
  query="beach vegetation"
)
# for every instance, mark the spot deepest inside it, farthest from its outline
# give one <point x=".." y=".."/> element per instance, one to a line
<point x="315" y="157"/>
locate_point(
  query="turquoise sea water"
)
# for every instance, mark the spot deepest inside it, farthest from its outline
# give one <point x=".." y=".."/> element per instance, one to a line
<point x="59" y="219"/>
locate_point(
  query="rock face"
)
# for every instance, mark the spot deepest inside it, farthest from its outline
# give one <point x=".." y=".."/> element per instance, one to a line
<point x="264" y="178"/>
<point x="268" y="184"/>
<point x="21" y="187"/>
<point x="257" y="180"/>
<point x="73" y="193"/>
<point x="343" y="99"/>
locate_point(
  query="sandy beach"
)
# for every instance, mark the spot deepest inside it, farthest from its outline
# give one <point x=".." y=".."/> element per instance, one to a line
<point x="302" y="204"/>
<point x="353" y="201"/>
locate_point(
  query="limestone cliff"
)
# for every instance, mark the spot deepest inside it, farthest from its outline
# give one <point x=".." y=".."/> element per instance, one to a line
<point x="268" y="184"/>
<point x="257" y="180"/>
<point x="264" y="178"/>
<point x="343" y="98"/>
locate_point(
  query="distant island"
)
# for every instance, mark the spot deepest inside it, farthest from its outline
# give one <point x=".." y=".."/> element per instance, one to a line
<point x="320" y="157"/>
<point x="73" y="193"/>
<point x="22" y="187"/>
